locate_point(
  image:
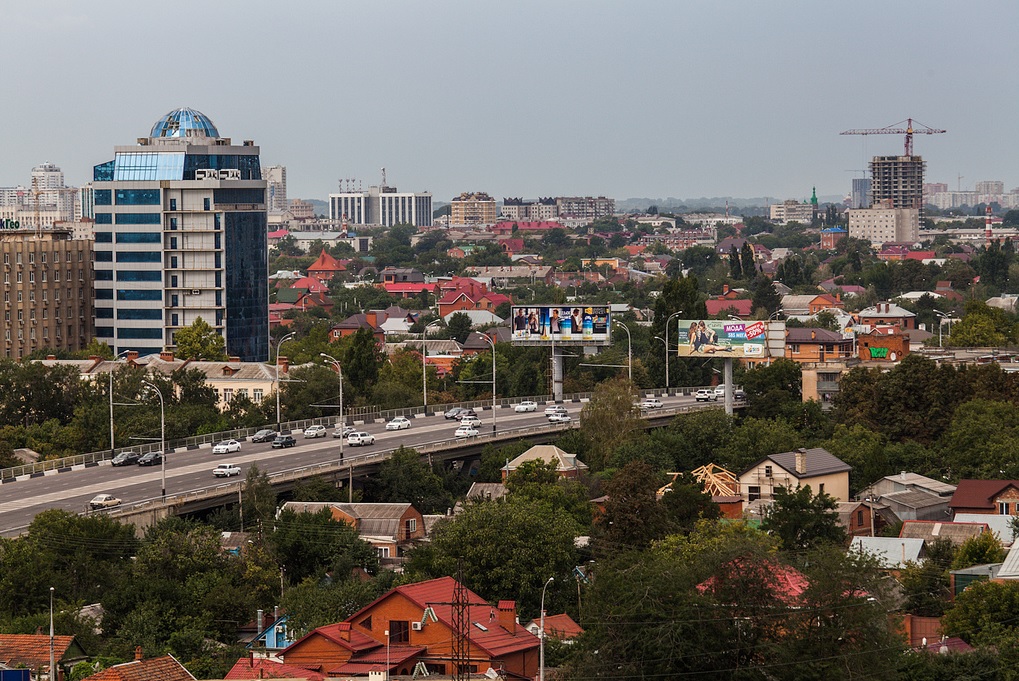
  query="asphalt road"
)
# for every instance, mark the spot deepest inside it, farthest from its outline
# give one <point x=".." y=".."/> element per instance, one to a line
<point x="187" y="471"/>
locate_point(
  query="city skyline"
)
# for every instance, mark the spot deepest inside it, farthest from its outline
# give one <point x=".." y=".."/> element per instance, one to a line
<point x="638" y="100"/>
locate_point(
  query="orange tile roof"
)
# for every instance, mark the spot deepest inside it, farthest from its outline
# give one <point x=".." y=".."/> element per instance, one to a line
<point x="326" y="263"/>
<point x="165" y="668"/>
<point x="561" y="626"/>
<point x="31" y="650"/>
<point x="260" y="668"/>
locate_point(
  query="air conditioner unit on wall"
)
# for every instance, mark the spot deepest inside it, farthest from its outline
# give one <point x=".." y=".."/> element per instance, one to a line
<point x="417" y="626"/>
<point x="195" y="292"/>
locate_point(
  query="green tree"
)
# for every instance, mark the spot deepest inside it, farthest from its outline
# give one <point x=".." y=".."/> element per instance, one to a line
<point x="312" y="544"/>
<point x="983" y="549"/>
<point x="633" y="517"/>
<point x="200" y="341"/>
<point x="361" y="359"/>
<point x="258" y="500"/>
<point x="802" y="520"/>
<point x="765" y="298"/>
<point x="746" y="257"/>
<point x="984" y="613"/>
<point x="459" y="327"/>
<point x="609" y="418"/>
<point x="405" y="478"/>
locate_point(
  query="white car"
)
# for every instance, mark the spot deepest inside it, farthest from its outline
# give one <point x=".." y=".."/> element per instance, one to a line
<point x="526" y="406"/>
<point x="359" y="439"/>
<point x="554" y="409"/>
<point x="470" y="421"/>
<point x="227" y="447"/>
<point x="651" y="403"/>
<point x="344" y="432"/>
<point x="225" y="470"/>
<point x="398" y="423"/>
<point x="705" y="395"/>
<point x="103" y="501"/>
<point x="559" y="418"/>
<point x="720" y="391"/>
<point x="315" y="431"/>
<point x="467" y="431"/>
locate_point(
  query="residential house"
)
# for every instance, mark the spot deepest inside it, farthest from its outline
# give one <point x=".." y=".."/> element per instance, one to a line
<point x="511" y="246"/>
<point x="567" y="465"/>
<point x="263" y="668"/>
<point x="817" y="468"/>
<point x="810" y="305"/>
<point x="1000" y="525"/>
<point x="508" y="276"/>
<point x="390" y="528"/>
<point x="356" y="322"/>
<point x="472" y="296"/>
<point x="911" y="496"/>
<point x="165" y="668"/>
<point x="857" y="518"/>
<point x="32" y="652"/>
<point x="892" y="553"/>
<point x="830" y="286"/>
<point x="419" y="619"/>
<point x="883" y="343"/>
<point x="990" y="497"/>
<point x="831" y="236"/>
<point x="520" y="228"/>
<point x="885" y="313"/>
<point x="561" y="627"/>
<point x="272" y="633"/>
<point x="718" y="307"/>
<point x="326" y="268"/>
<point x="404" y="282"/>
<point x="806" y="344"/>
<point x="929" y="530"/>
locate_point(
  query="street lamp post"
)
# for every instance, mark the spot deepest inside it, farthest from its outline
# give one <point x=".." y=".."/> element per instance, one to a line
<point x="541" y="633"/>
<point x="53" y="661"/>
<point x="112" y="446"/>
<point x="339" y="372"/>
<point x="941" y="328"/>
<point x="424" y="365"/>
<point x="667" y="322"/>
<point x="629" y="349"/>
<point x="492" y="343"/>
<point x="279" y="424"/>
<point x="162" y="438"/>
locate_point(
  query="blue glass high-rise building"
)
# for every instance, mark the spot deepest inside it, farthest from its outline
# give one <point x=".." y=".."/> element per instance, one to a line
<point x="181" y="234"/>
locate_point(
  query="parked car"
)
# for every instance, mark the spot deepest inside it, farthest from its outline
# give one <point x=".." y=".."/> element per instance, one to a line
<point x="720" y="391"/>
<point x="526" y="406"/>
<point x="343" y="432"/>
<point x="227" y="447"/>
<point x="398" y="423"/>
<point x="282" y="441"/>
<point x="470" y="420"/>
<point x="264" y="435"/>
<point x="150" y="459"/>
<point x="225" y="470"/>
<point x="651" y="403"/>
<point x="453" y="412"/>
<point x="559" y="418"/>
<point x="314" y="431"/>
<point x="126" y="458"/>
<point x="359" y="439"/>
<point x="467" y="431"/>
<point x="554" y="409"/>
<point x="103" y="501"/>
<point x="705" y="395"/>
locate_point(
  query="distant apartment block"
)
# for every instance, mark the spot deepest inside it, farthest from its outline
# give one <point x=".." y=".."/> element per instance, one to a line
<point x="275" y="188"/>
<point x="897" y="181"/>
<point x="885" y="225"/>
<point x="792" y="211"/>
<point x="860" y="196"/>
<point x="301" y="210"/>
<point x="585" y="207"/>
<point x="47" y="289"/>
<point x="532" y="211"/>
<point x="472" y="208"/>
<point x="46" y="201"/>
<point x="381" y="205"/>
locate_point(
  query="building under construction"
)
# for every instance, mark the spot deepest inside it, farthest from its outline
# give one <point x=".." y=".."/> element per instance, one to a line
<point x="897" y="182"/>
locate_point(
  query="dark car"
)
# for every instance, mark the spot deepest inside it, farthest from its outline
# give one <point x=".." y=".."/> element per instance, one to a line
<point x="264" y="435"/>
<point x="126" y="458"/>
<point x="150" y="459"/>
<point x="454" y="412"/>
<point x="283" y="441"/>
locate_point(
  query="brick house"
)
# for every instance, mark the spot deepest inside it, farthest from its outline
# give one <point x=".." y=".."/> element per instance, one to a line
<point x="32" y="651"/>
<point x="816" y="345"/>
<point x="326" y="268"/>
<point x="165" y="668"/>
<point x="993" y="497"/>
<point x="419" y="620"/>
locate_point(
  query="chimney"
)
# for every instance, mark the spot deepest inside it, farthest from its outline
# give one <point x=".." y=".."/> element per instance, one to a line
<point x="344" y="630"/>
<point x="233" y="359"/>
<point x="801" y="460"/>
<point x="813" y="334"/>
<point x="838" y="296"/>
<point x="283" y="362"/>
<point x="725" y="289"/>
<point x="259" y="620"/>
<point x="51" y="357"/>
<point x="508" y="615"/>
<point x="138" y="653"/>
<point x="132" y="355"/>
<point x="166" y="356"/>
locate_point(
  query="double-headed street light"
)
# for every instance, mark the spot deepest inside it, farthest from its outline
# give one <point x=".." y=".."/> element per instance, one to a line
<point x="112" y="446"/>
<point x="339" y="372"/>
<point x="629" y="348"/>
<point x="162" y="438"/>
<point x="492" y="343"/>
<point x="424" y="366"/>
<point x="667" y="322"/>
<point x="941" y="327"/>
<point x="541" y="633"/>
<point x="277" y="386"/>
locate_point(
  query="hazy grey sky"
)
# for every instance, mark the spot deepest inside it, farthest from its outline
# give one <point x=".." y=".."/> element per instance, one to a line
<point x="627" y="99"/>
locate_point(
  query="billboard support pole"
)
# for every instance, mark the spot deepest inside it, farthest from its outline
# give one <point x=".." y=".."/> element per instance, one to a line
<point x="557" y="376"/>
<point x="728" y="385"/>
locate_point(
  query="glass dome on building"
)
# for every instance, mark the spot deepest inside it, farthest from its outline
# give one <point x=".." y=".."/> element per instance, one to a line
<point x="184" y="122"/>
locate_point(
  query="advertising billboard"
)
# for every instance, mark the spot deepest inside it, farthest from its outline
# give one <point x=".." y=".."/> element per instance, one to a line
<point x="566" y="324"/>
<point x="719" y="338"/>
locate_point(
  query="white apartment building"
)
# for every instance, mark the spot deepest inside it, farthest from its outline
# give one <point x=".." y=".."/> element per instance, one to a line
<point x="885" y="225"/>
<point x="381" y="205"/>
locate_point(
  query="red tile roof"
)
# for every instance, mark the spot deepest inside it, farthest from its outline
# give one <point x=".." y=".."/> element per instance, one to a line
<point x="31" y="650"/>
<point x="979" y="494"/>
<point x="312" y="285"/>
<point x="165" y="668"/>
<point x="375" y="660"/>
<point x="787" y="583"/>
<point x="261" y="668"/>
<point x="561" y="626"/>
<point x="326" y="263"/>
<point x="741" y="307"/>
<point x="407" y="287"/>
<point x="335" y="633"/>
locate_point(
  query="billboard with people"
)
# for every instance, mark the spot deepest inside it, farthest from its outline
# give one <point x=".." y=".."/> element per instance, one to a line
<point x="566" y="324"/>
<point x="719" y="338"/>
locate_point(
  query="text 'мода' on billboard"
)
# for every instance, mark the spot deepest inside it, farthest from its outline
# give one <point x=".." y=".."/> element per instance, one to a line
<point x="717" y="338"/>
<point x="561" y="325"/>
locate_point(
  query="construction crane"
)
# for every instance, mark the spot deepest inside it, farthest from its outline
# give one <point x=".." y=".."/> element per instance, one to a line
<point x="908" y="131"/>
